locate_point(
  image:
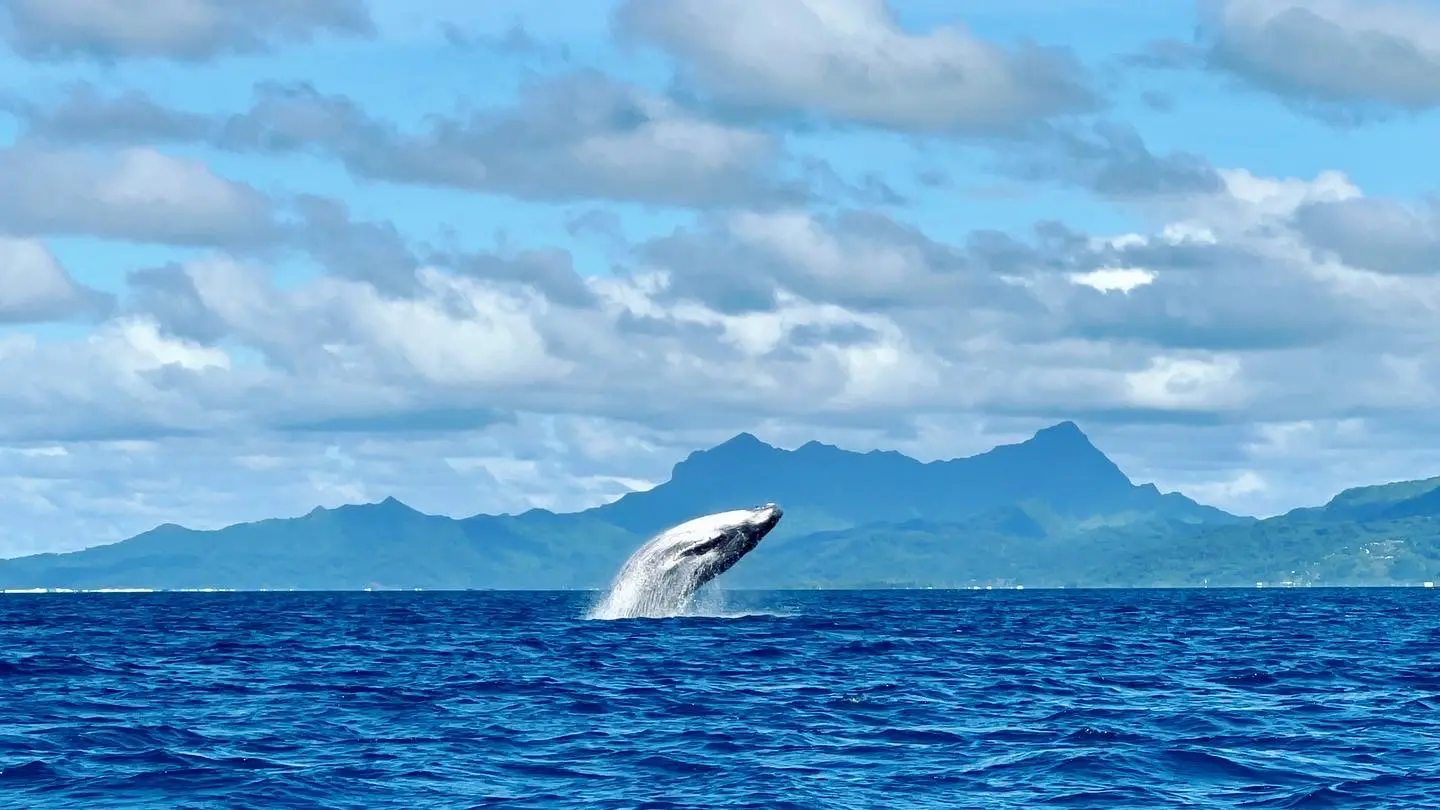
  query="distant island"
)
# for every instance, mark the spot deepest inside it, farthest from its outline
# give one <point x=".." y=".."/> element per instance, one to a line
<point x="1052" y="511"/>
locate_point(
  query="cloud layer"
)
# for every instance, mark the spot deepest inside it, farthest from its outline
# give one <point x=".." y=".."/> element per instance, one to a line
<point x="184" y="30"/>
<point x="1339" y="58"/>
<point x="850" y="62"/>
<point x="755" y="240"/>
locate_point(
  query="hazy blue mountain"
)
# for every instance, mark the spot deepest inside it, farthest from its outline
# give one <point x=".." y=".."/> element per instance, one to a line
<point x="1371" y="536"/>
<point x="380" y="545"/>
<point x="822" y="486"/>
<point x="1050" y="511"/>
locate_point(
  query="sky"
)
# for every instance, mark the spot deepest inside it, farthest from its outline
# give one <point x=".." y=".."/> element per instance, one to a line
<point x="262" y="256"/>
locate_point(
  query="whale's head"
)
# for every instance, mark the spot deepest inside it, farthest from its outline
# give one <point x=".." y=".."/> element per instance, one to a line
<point x="708" y="546"/>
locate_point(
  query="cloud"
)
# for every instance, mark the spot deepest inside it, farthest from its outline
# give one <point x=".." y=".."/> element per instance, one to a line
<point x="375" y="252"/>
<point x="767" y="314"/>
<point x="1343" y="60"/>
<point x="1229" y="272"/>
<point x="135" y="194"/>
<point x="848" y="61"/>
<point x="1255" y="340"/>
<point x="1381" y="235"/>
<point x="61" y="496"/>
<point x="182" y="30"/>
<point x="123" y="381"/>
<point x="1109" y="159"/>
<point x="575" y="137"/>
<point x="1237" y="270"/>
<point x="82" y="114"/>
<point x="585" y="137"/>
<point x="748" y="261"/>
<point x="516" y="42"/>
<point x="475" y="340"/>
<point x="141" y="195"/>
<point x="36" y="288"/>
<point x="1231" y="313"/>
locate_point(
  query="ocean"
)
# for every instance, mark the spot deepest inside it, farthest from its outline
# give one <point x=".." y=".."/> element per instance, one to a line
<point x="827" y="699"/>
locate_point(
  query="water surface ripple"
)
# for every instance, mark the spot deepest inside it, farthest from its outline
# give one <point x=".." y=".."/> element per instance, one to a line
<point x="1251" y="699"/>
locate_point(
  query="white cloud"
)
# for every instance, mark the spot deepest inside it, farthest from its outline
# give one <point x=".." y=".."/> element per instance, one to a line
<point x="190" y="30"/>
<point x="1244" y="491"/>
<point x="34" y="287"/>
<point x="136" y="346"/>
<point x="1257" y="342"/>
<point x="863" y="316"/>
<point x="1334" y="52"/>
<point x="568" y="137"/>
<point x="1187" y="383"/>
<point x="135" y="194"/>
<point x="850" y="60"/>
<point x="1114" y="279"/>
<point x="472" y="392"/>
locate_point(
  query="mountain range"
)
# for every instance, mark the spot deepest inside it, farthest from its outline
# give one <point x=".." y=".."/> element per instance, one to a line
<point x="1052" y="511"/>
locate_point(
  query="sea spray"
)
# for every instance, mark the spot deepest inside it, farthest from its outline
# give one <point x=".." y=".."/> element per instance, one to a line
<point x="648" y="587"/>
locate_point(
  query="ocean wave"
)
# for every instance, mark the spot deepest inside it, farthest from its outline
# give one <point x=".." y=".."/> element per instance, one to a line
<point x="822" y="699"/>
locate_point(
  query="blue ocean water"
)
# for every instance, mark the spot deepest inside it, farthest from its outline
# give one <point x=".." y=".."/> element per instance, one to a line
<point x="1105" y="699"/>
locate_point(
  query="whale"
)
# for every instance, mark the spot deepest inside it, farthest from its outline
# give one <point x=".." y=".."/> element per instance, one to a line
<point x="660" y="578"/>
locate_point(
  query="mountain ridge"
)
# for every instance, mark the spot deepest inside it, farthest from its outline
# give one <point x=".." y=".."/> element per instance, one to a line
<point x="1050" y="511"/>
<point x="1054" y="464"/>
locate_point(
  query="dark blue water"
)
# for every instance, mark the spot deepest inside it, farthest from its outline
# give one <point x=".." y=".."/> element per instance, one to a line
<point x="1269" y="698"/>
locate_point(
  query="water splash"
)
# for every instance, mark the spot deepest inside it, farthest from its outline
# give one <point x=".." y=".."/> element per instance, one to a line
<point x="661" y="578"/>
<point x="649" y="586"/>
<point x="706" y="603"/>
<point x="714" y="603"/>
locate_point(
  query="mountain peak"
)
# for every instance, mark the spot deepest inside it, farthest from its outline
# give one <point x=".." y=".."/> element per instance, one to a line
<point x="389" y="506"/>
<point x="1066" y="443"/>
<point x="393" y="505"/>
<point x="742" y="448"/>
<point x="743" y="451"/>
<point x="1060" y="466"/>
<point x="742" y="441"/>
<point x="1065" y="433"/>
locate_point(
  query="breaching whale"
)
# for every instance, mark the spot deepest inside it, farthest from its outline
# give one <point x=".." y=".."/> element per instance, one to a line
<point x="662" y="575"/>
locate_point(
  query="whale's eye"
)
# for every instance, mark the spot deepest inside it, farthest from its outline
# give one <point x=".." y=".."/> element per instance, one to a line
<point x="703" y="548"/>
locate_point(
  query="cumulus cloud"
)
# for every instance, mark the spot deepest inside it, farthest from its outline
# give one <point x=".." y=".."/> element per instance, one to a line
<point x="34" y="286"/>
<point x="849" y="61"/>
<point x="1223" y="322"/>
<point x="746" y="261"/>
<point x="1386" y="236"/>
<point x="83" y="114"/>
<point x="1201" y="346"/>
<point x="583" y="136"/>
<point x="574" y="137"/>
<point x="61" y="496"/>
<point x="770" y="313"/>
<point x="183" y="30"/>
<point x="136" y="194"/>
<point x="141" y="195"/>
<point x="125" y="380"/>
<point x="1341" y="59"/>
<point x="1109" y="159"/>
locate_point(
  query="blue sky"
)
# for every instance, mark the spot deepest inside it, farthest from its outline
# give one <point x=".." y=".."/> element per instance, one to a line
<point x="485" y="257"/>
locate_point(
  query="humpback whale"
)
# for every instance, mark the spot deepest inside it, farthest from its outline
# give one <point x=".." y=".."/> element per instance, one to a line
<point x="663" y="574"/>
